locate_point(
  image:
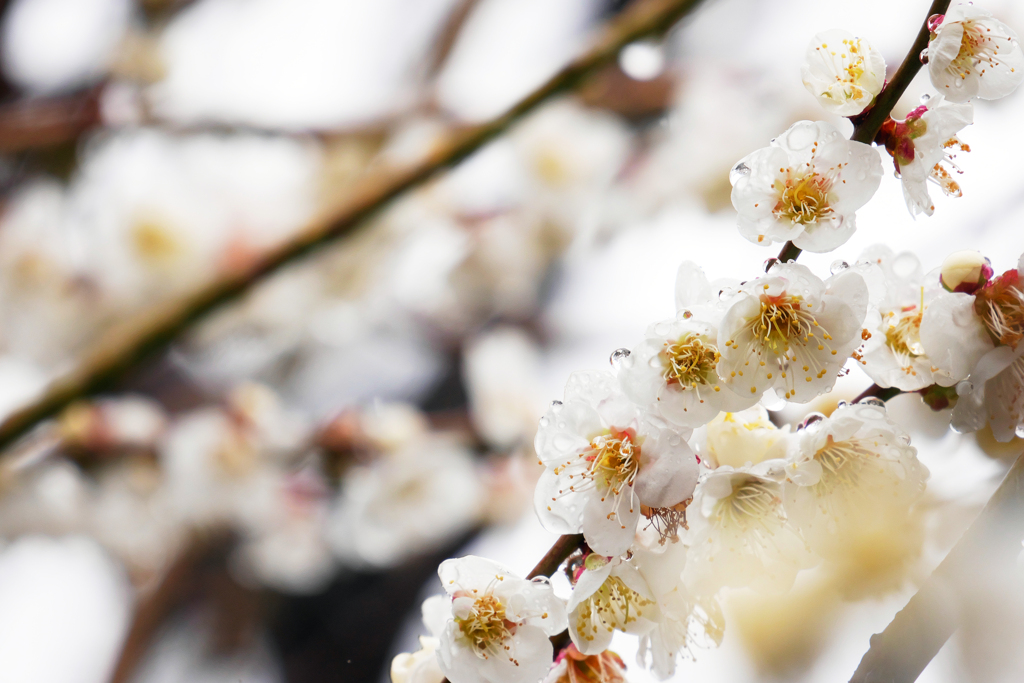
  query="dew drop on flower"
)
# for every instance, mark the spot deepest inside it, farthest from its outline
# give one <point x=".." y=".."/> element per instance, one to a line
<point x="738" y="171"/>
<point x="556" y="406"/>
<point x="925" y="97"/>
<point x="904" y="439"/>
<point x="924" y="56"/>
<point x="1019" y="431"/>
<point x="687" y="315"/>
<point x="872" y="401"/>
<point x="838" y="266"/>
<point x="964" y="387"/>
<point x="618" y="357"/>
<point x="769" y="263"/>
<point x="811" y="419"/>
<point x="544" y="422"/>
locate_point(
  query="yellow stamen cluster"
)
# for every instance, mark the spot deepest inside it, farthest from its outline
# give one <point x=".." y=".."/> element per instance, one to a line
<point x="616" y="460"/>
<point x="1001" y="308"/>
<point x="689" y="361"/>
<point x="841" y="464"/>
<point x="486" y="627"/>
<point x="903" y="336"/>
<point x="613" y="606"/>
<point x="802" y="198"/>
<point x="751" y="501"/>
<point x="978" y="51"/>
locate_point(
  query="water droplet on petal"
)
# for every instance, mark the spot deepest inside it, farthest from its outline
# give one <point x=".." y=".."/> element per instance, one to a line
<point x="904" y="439"/>
<point x="687" y="315"/>
<point x="811" y="419"/>
<point x="924" y="56"/>
<point x="556" y="406"/>
<point x="925" y="97"/>
<point x="1019" y="431"/>
<point x="872" y="401"/>
<point x="964" y="387"/>
<point x="618" y="357"/>
<point x="838" y="267"/>
<point x="544" y="422"/>
<point x="769" y="263"/>
<point x="738" y="171"/>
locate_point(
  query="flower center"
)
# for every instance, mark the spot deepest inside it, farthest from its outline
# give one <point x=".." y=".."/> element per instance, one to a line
<point x="751" y="501"/>
<point x="1000" y="304"/>
<point x="975" y="48"/>
<point x="783" y="320"/>
<point x="689" y="361"/>
<point x="840" y="466"/>
<point x="615" y="459"/>
<point x="485" y="626"/>
<point x="904" y="336"/>
<point x="613" y="606"/>
<point x="802" y="199"/>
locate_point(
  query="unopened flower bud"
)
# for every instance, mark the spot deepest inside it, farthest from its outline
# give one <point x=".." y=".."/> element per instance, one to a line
<point x="965" y="271"/>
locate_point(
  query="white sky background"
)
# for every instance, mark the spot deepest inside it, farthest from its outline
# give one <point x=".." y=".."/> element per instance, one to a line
<point x="300" y="64"/>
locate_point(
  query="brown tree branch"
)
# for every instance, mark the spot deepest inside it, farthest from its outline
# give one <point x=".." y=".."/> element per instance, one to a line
<point x="126" y="345"/>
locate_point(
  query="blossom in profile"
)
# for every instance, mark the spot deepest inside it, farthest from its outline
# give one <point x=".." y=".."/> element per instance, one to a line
<point x="610" y="595"/>
<point x="843" y="72"/>
<point x="684" y="620"/>
<point x="607" y="462"/>
<point x="496" y="625"/>
<point x="805" y="187"/>
<point x="924" y="146"/>
<point x="972" y="54"/>
<point x="674" y="371"/>
<point x="791" y="331"/>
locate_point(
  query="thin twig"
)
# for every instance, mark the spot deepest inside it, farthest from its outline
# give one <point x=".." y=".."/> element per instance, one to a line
<point x="152" y="610"/>
<point x="870" y="122"/>
<point x="901" y="652"/>
<point x="125" y="346"/>
<point x="563" y="548"/>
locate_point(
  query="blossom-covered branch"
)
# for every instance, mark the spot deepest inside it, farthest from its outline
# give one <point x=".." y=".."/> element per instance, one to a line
<point x="868" y="123"/>
<point x="126" y="345"/>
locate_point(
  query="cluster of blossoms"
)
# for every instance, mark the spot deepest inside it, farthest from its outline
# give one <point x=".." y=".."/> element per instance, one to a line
<point x="670" y="465"/>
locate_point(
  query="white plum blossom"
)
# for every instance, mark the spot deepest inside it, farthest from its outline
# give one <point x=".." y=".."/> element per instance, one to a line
<point x="805" y="187"/>
<point x="971" y="54"/>
<point x="423" y="665"/>
<point x="994" y="391"/>
<point x="747" y="437"/>
<point x="851" y="471"/>
<point x="922" y="145"/>
<point x="791" y="331"/>
<point x="674" y="371"/>
<point x="895" y="355"/>
<point x="740" y="534"/>
<point x="607" y="462"/>
<point x="843" y="72"/>
<point x="610" y="595"/>
<point x="403" y="503"/>
<point x="683" y="619"/>
<point x="497" y="625"/>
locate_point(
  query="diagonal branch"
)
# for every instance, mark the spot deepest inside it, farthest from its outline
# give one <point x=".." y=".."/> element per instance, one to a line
<point x="123" y="347"/>
<point x="901" y="652"/>
<point x="867" y="124"/>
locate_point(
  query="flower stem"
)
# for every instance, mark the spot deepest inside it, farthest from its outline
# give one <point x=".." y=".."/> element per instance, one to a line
<point x="563" y="548"/>
<point x="125" y="346"/>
